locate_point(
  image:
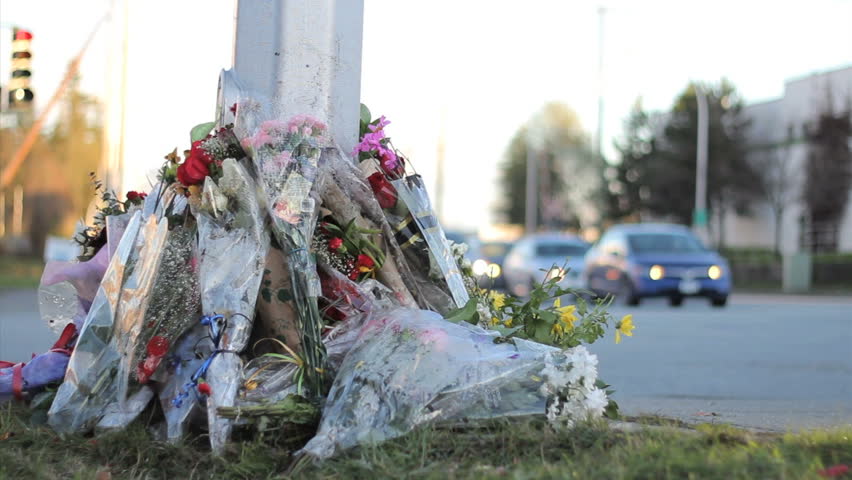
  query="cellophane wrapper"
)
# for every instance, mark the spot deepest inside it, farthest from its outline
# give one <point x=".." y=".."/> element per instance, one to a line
<point x="91" y="380"/>
<point x="272" y="380"/>
<point x="66" y="292"/>
<point x="233" y="242"/>
<point x="286" y="156"/>
<point x="442" y="263"/>
<point x="171" y="308"/>
<point x="409" y="367"/>
<point x="184" y="360"/>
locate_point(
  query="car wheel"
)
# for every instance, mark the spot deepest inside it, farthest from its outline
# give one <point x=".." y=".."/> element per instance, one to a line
<point x="627" y="294"/>
<point x="676" y="301"/>
<point x="719" y="301"/>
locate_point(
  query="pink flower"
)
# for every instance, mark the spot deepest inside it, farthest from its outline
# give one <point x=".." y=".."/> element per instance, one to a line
<point x="381" y="125"/>
<point x="273" y="126"/>
<point x="435" y="336"/>
<point x="335" y="243"/>
<point x="306" y="131"/>
<point x="285" y="212"/>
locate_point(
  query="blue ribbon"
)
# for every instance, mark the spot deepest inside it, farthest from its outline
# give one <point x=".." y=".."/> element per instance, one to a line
<point x="216" y="330"/>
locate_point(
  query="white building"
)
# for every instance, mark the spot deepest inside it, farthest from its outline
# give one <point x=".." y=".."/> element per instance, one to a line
<point x="777" y="142"/>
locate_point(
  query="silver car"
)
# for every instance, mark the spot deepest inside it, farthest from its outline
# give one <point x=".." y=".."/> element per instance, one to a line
<point x="539" y="257"/>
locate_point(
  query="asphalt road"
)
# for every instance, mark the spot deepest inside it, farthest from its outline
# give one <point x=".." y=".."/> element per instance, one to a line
<point x="765" y="362"/>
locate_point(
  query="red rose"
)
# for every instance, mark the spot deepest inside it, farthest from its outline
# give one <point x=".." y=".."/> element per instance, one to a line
<point x="193" y="170"/>
<point x="158" y="346"/>
<point x="204" y="388"/>
<point x="365" y="261"/>
<point x="133" y="196"/>
<point x="383" y="190"/>
<point x="335" y="243"/>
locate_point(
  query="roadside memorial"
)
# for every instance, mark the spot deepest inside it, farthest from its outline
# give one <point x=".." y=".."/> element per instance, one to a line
<point x="272" y="280"/>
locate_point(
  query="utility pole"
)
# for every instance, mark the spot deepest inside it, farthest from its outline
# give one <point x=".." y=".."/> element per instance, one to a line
<point x="699" y="220"/>
<point x="599" y="134"/>
<point x="302" y="56"/>
<point x="531" y="204"/>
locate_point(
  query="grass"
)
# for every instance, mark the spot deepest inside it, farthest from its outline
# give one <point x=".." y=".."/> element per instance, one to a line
<point x="20" y="272"/>
<point x="521" y="448"/>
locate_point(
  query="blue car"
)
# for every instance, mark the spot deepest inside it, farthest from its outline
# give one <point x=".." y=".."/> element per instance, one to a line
<point x="633" y="261"/>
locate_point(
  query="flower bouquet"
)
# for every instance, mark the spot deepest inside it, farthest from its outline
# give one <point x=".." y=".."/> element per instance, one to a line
<point x="409" y="367"/>
<point x="406" y="206"/>
<point x="286" y="157"/>
<point x="90" y="381"/>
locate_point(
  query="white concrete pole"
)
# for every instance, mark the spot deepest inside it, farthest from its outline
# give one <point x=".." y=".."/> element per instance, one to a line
<point x="304" y="56"/>
<point x="700" y="218"/>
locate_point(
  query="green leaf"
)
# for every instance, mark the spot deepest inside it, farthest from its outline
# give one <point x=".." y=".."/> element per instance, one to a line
<point x="365" y="114"/>
<point x="200" y="131"/>
<point x="506" y="331"/>
<point x="467" y="313"/>
<point x="266" y="294"/>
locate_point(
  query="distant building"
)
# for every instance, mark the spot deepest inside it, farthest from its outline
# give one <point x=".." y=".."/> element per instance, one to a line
<point x="776" y="139"/>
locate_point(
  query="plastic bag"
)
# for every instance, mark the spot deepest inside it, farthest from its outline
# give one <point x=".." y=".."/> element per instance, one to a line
<point x="233" y="242"/>
<point x="409" y="367"/>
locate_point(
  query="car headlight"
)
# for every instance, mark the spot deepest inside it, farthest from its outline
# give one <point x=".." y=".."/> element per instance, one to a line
<point x="480" y="267"/>
<point x="656" y="272"/>
<point x="714" y="272"/>
<point x="493" y="271"/>
<point x="556" y="273"/>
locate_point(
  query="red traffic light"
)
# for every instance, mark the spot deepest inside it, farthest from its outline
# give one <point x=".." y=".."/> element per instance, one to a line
<point x="23" y="35"/>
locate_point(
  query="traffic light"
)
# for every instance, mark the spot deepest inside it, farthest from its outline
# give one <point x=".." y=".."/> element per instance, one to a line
<point x="20" y="94"/>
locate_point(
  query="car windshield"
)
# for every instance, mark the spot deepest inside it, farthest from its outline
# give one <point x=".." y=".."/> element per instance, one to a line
<point x="497" y="249"/>
<point x="664" y="242"/>
<point x="560" y="250"/>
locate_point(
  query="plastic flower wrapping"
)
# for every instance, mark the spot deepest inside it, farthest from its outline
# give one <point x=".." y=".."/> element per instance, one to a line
<point x="233" y="241"/>
<point x="286" y="157"/>
<point x="409" y="367"/>
<point x="268" y="275"/>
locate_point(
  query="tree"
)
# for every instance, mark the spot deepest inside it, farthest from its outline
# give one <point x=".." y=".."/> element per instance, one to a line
<point x="629" y="176"/>
<point x="670" y="173"/>
<point x="778" y="181"/>
<point x="569" y="176"/>
<point x="829" y="175"/>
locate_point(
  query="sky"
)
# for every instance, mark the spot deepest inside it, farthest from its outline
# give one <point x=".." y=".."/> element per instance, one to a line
<point x="476" y="70"/>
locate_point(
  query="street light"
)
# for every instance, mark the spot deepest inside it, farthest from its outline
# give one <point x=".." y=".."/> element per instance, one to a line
<point x="699" y="219"/>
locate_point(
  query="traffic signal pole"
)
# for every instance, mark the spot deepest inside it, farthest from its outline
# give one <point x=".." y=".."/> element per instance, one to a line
<point x="26" y="145"/>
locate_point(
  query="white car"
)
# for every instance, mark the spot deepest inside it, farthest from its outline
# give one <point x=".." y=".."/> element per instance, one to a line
<point x="539" y="257"/>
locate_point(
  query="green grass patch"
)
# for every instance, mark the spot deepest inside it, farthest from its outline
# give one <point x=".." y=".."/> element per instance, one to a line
<point x="520" y="448"/>
<point x="20" y="272"/>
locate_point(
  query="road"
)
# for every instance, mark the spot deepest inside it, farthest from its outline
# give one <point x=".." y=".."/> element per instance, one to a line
<point x="765" y="362"/>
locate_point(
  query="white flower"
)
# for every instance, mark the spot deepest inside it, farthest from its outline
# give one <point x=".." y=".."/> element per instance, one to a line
<point x="584" y="366"/>
<point x="596" y="402"/>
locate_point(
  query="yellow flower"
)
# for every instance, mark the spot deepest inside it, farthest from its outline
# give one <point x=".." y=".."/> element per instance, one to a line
<point x="495" y="320"/>
<point x="498" y="299"/>
<point x="557" y="329"/>
<point x="566" y="314"/>
<point x="508" y="323"/>
<point x="625" y="326"/>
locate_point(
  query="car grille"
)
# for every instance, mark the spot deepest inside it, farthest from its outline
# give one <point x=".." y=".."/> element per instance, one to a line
<point x="687" y="272"/>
